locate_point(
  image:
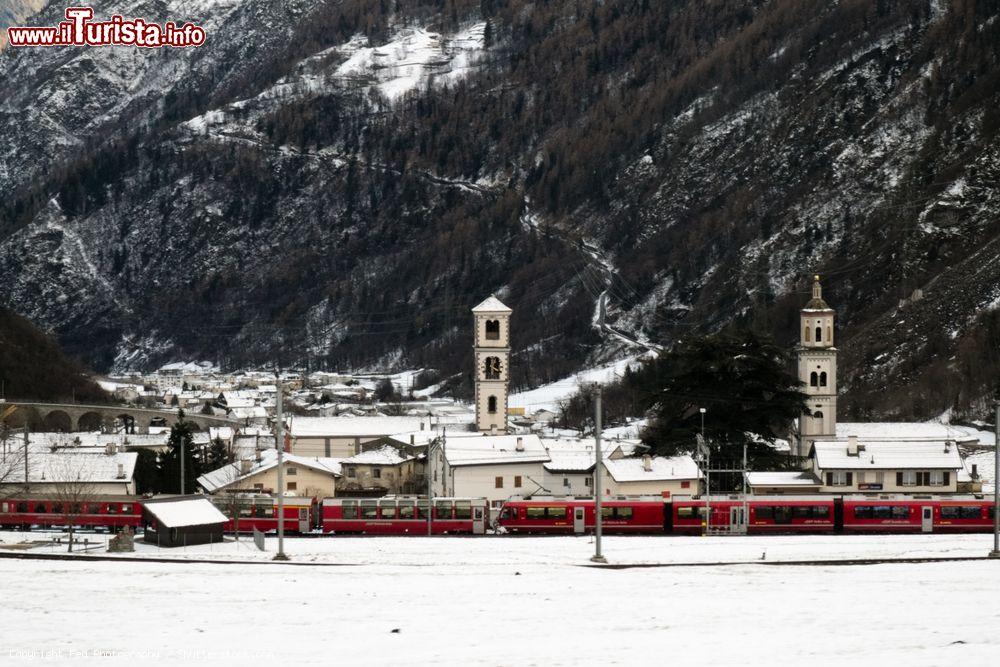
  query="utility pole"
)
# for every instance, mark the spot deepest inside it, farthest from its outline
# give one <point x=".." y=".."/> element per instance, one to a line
<point x="598" y="557"/>
<point x="26" y="429"/>
<point x="996" y="483"/>
<point x="708" y="476"/>
<point x="279" y="442"/>
<point x="182" y="457"/>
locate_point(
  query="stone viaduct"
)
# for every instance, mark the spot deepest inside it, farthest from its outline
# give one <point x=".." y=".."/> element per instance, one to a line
<point x="69" y="417"/>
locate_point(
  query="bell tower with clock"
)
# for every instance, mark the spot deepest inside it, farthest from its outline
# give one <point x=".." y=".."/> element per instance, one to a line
<point x="491" y="320"/>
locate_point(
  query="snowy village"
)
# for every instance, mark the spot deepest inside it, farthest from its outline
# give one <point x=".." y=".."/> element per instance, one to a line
<point x="500" y="332"/>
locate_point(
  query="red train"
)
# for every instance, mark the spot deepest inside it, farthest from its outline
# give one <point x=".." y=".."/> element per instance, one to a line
<point x="546" y="515"/>
<point x="405" y="516"/>
<point x="758" y="515"/>
<point x="99" y="512"/>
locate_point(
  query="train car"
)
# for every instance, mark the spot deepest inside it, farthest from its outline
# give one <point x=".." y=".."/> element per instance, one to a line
<point x="788" y="514"/>
<point x="404" y="515"/>
<point x="916" y="514"/>
<point x="107" y="512"/>
<point x="260" y="511"/>
<point x="567" y="515"/>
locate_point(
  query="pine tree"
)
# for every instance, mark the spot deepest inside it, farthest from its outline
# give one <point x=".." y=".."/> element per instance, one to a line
<point x="181" y="433"/>
<point x="743" y="382"/>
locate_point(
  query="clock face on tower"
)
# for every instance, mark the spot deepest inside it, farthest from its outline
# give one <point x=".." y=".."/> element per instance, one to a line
<point x="492" y="368"/>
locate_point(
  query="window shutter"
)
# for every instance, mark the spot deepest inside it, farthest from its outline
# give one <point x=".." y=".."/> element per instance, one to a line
<point x="899" y="479"/>
<point x="850" y="478"/>
<point x="829" y="479"/>
<point x="947" y="478"/>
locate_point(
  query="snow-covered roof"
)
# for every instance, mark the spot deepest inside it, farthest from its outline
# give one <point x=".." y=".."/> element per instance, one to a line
<point x="661" y="468"/>
<point x="383" y="456"/>
<point x="886" y="455"/>
<point x="783" y="478"/>
<point x="231" y="473"/>
<point x="900" y="431"/>
<point x="486" y="449"/>
<point x="185" y="512"/>
<point x="72" y="466"/>
<point x="492" y="305"/>
<point x="349" y="426"/>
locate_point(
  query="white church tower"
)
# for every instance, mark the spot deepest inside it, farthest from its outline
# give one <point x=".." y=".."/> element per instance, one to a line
<point x="492" y="354"/>
<point x="817" y="371"/>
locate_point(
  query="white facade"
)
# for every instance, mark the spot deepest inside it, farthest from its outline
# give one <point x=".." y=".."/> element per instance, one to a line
<point x="491" y="467"/>
<point x="492" y="359"/>
<point x="817" y="370"/>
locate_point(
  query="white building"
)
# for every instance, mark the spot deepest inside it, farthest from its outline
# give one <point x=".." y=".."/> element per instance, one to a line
<point x="887" y="466"/>
<point x="652" y="475"/>
<point x="493" y="467"/>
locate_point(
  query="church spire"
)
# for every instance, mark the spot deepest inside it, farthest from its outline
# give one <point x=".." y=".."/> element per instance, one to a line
<point x="817" y="288"/>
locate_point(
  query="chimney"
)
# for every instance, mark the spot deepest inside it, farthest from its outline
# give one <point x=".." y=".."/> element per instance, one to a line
<point x="121" y="471"/>
<point x="647" y="462"/>
<point x="947" y="446"/>
<point x="852" y="445"/>
<point x="246" y="465"/>
<point x="520" y="444"/>
<point x="109" y="449"/>
<point x="411" y="438"/>
<point x="975" y="471"/>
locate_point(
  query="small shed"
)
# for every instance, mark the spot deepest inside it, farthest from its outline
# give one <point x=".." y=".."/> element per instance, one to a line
<point x="181" y="521"/>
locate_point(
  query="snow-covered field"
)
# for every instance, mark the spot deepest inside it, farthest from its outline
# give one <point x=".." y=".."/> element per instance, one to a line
<point x="513" y="601"/>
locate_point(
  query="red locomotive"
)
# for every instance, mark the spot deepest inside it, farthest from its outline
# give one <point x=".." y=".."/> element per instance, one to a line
<point x="404" y="516"/>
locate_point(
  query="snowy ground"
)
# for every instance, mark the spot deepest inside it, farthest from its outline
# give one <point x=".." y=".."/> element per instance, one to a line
<point x="513" y="601"/>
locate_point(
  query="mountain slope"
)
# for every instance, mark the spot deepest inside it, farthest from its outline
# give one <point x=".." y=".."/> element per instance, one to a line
<point x="33" y="367"/>
<point x="346" y="194"/>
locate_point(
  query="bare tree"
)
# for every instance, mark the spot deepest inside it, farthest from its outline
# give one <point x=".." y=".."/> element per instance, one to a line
<point x="12" y="458"/>
<point x="73" y="491"/>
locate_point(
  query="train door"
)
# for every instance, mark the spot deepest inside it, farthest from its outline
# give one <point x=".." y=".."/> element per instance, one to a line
<point x="578" y="520"/>
<point x="838" y="515"/>
<point x="927" y="519"/>
<point x="737" y="520"/>
<point x="303" y="520"/>
<point x="478" y="521"/>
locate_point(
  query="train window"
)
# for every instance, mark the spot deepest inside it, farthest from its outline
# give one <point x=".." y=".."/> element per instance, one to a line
<point x="972" y="512"/>
<point x="369" y="509"/>
<point x="782" y="514"/>
<point x="388" y="509"/>
<point x="949" y="512"/>
<point x="624" y="513"/>
<point x="38" y="508"/>
<point x="422" y="509"/>
<point x="821" y="512"/>
<point x="22" y="508"/>
<point x="765" y="512"/>
<point x="690" y="512"/>
<point x="863" y="512"/>
<point x="463" y="509"/>
<point x="406" y="509"/>
<point x="112" y="509"/>
<point x="509" y="513"/>
<point x="349" y="509"/>
<point x="802" y="512"/>
<point x="57" y="508"/>
<point x="264" y="511"/>
<point x="534" y="512"/>
<point x="126" y="509"/>
<point x="900" y="512"/>
<point x="442" y="510"/>
<point x="882" y="512"/>
<point x="555" y="512"/>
